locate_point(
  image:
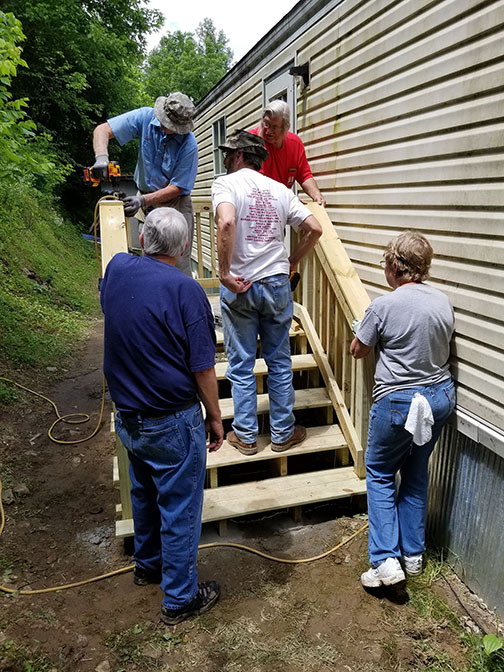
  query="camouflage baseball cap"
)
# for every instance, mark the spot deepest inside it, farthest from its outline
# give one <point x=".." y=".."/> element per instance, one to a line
<point x="249" y="142"/>
<point x="175" y="112"/>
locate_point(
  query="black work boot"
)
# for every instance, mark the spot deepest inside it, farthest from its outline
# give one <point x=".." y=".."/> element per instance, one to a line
<point x="207" y="595"/>
<point x="142" y="577"/>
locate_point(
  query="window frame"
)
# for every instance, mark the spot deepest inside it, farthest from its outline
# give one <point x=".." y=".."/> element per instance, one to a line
<point x="219" y="129"/>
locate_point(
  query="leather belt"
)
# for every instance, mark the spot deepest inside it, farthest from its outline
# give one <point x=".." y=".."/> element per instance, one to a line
<point x="153" y="415"/>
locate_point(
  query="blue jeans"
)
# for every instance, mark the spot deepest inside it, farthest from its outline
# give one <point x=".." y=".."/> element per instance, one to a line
<point x="397" y="518"/>
<point x="167" y="468"/>
<point x="265" y="309"/>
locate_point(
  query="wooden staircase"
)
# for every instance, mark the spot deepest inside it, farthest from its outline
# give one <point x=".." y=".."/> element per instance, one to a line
<point x="264" y="480"/>
<point x="331" y="400"/>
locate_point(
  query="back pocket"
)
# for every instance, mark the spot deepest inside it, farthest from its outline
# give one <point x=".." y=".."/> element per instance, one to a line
<point x="399" y="409"/>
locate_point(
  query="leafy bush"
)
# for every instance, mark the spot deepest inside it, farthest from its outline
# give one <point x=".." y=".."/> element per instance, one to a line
<point x="23" y="154"/>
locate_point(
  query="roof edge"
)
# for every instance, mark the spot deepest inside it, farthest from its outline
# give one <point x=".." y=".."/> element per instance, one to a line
<point x="279" y="37"/>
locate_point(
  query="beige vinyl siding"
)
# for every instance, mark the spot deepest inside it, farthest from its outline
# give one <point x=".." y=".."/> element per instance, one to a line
<point x="403" y="124"/>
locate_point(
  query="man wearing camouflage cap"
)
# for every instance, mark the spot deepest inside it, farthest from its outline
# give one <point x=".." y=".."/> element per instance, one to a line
<point x="167" y="158"/>
<point x="251" y="212"/>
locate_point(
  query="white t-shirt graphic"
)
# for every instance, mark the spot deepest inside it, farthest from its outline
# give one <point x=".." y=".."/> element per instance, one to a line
<point x="263" y="208"/>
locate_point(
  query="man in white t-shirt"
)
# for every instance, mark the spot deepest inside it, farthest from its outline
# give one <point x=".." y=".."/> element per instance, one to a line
<point x="251" y="213"/>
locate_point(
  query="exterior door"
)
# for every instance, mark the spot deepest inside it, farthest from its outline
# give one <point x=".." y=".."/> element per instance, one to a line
<point x="281" y="86"/>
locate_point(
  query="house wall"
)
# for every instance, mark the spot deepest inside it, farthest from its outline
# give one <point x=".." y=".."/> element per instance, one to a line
<point x="403" y="123"/>
<point x="403" y="127"/>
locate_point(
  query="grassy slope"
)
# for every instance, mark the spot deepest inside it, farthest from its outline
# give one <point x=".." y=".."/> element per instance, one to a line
<point x="48" y="286"/>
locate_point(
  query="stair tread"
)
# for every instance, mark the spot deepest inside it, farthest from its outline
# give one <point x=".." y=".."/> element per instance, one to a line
<point x="295" y="330"/>
<point x="299" y="363"/>
<point x="317" y="440"/>
<point x="231" y="501"/>
<point x="310" y="398"/>
<point x="277" y="493"/>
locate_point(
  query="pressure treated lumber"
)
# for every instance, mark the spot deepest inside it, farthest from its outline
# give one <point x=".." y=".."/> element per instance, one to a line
<point x="333" y="390"/>
<point x="113" y="234"/>
<point x="277" y="493"/>
<point x="299" y="363"/>
<point x="340" y="272"/>
<point x="231" y="501"/>
<point x="311" y="398"/>
<point x="294" y="331"/>
<point x="318" y="439"/>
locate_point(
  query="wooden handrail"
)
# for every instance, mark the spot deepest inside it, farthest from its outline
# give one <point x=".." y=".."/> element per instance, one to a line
<point x="340" y="271"/>
<point x="352" y="299"/>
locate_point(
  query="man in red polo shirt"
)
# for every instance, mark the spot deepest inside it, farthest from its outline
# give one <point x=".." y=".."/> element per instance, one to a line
<point x="287" y="158"/>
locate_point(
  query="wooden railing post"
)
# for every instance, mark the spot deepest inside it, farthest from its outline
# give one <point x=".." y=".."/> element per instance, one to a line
<point x="351" y="300"/>
<point x="204" y="220"/>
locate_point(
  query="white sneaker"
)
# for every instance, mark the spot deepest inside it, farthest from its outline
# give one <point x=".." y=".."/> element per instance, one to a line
<point x="413" y="564"/>
<point x="388" y="573"/>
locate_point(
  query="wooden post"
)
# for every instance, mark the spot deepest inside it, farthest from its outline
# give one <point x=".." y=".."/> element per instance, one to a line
<point x="296" y="513"/>
<point x="279" y="466"/>
<point x="199" y="242"/>
<point x="333" y="390"/>
<point x="113" y="235"/>
<point x="112" y="231"/>
<point x="124" y="480"/>
<point x="213" y="246"/>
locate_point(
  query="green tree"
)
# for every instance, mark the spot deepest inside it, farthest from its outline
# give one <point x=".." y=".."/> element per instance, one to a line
<point x="23" y="154"/>
<point x="81" y="55"/>
<point x="189" y="62"/>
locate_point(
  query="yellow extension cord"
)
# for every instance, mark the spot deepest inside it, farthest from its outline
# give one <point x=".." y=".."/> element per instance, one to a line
<point x="84" y="418"/>
<point x="226" y="544"/>
<point x="129" y="568"/>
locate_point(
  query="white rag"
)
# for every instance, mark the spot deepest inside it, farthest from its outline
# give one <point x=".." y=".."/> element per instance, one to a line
<point x="419" y="421"/>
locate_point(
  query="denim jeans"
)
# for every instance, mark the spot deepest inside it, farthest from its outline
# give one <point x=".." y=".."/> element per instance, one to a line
<point x="265" y="309"/>
<point x="397" y="516"/>
<point x="167" y="468"/>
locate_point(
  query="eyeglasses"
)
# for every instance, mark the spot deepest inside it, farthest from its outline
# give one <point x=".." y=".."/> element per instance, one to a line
<point x="382" y="263"/>
<point x="273" y="127"/>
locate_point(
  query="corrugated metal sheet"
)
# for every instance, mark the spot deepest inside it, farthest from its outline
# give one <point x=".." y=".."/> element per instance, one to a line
<point x="466" y="513"/>
<point x="403" y="126"/>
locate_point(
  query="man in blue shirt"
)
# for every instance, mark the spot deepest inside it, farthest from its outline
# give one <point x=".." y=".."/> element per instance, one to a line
<point x="159" y="364"/>
<point x="167" y="158"/>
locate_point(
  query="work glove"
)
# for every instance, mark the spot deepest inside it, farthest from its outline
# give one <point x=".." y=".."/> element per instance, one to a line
<point x="100" y="168"/>
<point x="132" y="205"/>
<point x="294" y="278"/>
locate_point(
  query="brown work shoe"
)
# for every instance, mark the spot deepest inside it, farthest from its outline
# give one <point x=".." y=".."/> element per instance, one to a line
<point x="244" y="448"/>
<point x="298" y="436"/>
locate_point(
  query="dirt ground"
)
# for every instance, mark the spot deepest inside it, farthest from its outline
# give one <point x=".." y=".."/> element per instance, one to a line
<point x="60" y="512"/>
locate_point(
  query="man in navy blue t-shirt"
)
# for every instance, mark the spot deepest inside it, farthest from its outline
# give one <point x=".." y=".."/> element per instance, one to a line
<point x="159" y="363"/>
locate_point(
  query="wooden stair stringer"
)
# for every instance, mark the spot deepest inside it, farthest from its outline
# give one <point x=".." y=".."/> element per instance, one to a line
<point x="333" y="390"/>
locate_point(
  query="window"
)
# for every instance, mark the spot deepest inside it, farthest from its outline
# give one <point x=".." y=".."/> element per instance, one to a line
<point x="219" y="137"/>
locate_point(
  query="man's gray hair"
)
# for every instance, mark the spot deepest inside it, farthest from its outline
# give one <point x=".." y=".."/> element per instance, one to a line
<point x="165" y="232"/>
<point x="278" y="108"/>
